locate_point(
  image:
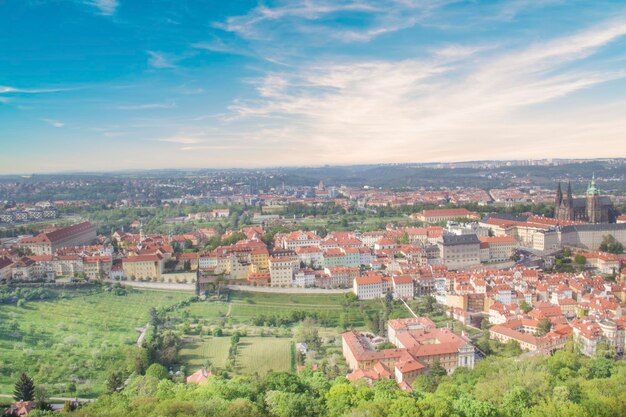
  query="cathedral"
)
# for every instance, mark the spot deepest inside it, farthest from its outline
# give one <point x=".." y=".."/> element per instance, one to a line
<point x="592" y="208"/>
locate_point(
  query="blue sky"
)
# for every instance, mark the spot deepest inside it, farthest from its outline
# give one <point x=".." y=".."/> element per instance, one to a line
<point x="127" y="84"/>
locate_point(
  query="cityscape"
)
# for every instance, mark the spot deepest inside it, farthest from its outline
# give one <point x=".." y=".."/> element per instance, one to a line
<point x="312" y="208"/>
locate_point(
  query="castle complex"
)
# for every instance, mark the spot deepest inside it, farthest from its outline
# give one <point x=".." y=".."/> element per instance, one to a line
<point x="593" y="208"/>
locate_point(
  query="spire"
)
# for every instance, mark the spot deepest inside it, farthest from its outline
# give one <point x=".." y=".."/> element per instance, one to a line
<point x="569" y="191"/>
<point x="559" y="194"/>
<point x="592" y="189"/>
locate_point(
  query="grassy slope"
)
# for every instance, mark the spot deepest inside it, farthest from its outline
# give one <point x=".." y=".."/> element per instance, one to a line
<point x="262" y="354"/>
<point x="73" y="340"/>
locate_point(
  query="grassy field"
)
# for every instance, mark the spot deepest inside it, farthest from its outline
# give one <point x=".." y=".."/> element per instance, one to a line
<point x="75" y="340"/>
<point x="255" y="354"/>
<point x="197" y="350"/>
<point x="263" y="354"/>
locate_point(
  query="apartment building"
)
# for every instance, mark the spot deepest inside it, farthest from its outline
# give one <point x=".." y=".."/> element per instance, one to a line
<point x="46" y="243"/>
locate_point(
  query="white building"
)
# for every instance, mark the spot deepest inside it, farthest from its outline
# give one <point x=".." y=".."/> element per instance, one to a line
<point x="368" y="287"/>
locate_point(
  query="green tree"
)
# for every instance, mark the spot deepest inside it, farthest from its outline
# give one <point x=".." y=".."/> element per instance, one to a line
<point x="512" y="348"/>
<point x="544" y="327"/>
<point x="157" y="371"/>
<point x="437" y="370"/>
<point x="525" y="307"/>
<point x="611" y="245"/>
<point x="601" y="367"/>
<point x="580" y="260"/>
<point x="24" y="388"/>
<point x="114" y="382"/>
<point x="516" y="401"/>
<point x="287" y="404"/>
<point x="41" y="398"/>
<point x="137" y="360"/>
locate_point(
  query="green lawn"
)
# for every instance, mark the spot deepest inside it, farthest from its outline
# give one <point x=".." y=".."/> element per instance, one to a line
<point x="263" y="354"/>
<point x="74" y="340"/>
<point x="196" y="350"/>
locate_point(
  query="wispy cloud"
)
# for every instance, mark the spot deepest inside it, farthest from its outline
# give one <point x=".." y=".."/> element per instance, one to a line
<point x="221" y="46"/>
<point x="160" y="60"/>
<point x="148" y="106"/>
<point x="306" y="17"/>
<point x="104" y="7"/>
<point x="54" y="123"/>
<point x="469" y="100"/>
<point x="182" y="139"/>
<point x="5" y="89"/>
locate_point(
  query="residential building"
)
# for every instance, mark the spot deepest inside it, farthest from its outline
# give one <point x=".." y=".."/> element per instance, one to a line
<point x="46" y="243"/>
<point x="419" y="345"/>
<point x="444" y="215"/>
<point x="282" y="271"/>
<point x="459" y="251"/>
<point x="143" y="267"/>
<point x="368" y="287"/>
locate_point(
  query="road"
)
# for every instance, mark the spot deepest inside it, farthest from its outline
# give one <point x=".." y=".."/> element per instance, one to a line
<point x="277" y="290"/>
<point x="156" y="285"/>
<point x="142" y="335"/>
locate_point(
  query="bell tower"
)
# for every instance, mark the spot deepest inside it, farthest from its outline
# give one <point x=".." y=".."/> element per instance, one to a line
<point x="594" y="211"/>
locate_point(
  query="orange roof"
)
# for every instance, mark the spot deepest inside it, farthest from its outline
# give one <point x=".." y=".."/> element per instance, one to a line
<point x="143" y="258"/>
<point x="365" y="280"/>
<point x="402" y="279"/>
<point x="498" y="239"/>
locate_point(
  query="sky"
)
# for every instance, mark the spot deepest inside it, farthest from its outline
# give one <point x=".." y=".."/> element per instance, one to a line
<point x="103" y="85"/>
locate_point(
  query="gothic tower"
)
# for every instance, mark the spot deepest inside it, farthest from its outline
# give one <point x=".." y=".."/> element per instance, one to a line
<point x="559" y="197"/>
<point x="594" y="210"/>
<point x="564" y="204"/>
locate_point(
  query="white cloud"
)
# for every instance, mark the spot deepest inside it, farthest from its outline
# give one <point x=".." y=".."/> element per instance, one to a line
<point x="148" y="106"/>
<point x="182" y="139"/>
<point x="460" y="101"/>
<point x="54" y="123"/>
<point x="160" y="60"/>
<point x="5" y="89"/>
<point x="105" y="7"/>
<point x="304" y="16"/>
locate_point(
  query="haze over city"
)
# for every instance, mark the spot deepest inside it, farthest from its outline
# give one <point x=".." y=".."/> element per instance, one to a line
<point x="114" y="84"/>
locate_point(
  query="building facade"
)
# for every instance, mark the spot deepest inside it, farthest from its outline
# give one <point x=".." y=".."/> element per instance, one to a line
<point x="592" y="208"/>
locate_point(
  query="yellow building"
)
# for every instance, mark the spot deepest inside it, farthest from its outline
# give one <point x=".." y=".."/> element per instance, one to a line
<point x="146" y="267"/>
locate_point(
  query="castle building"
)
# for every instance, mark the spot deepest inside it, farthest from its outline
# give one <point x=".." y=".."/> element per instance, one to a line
<point x="592" y="208"/>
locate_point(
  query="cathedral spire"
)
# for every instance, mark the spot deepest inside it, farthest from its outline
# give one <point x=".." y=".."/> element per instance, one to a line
<point x="592" y="189"/>
<point x="569" y="191"/>
<point x="559" y="195"/>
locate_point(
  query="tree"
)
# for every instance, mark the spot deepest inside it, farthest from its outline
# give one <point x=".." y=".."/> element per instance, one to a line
<point x="429" y="303"/>
<point x="611" y="245"/>
<point x="137" y="360"/>
<point x="437" y="370"/>
<point x="544" y="327"/>
<point x="157" y="371"/>
<point x="307" y="332"/>
<point x="580" y="260"/>
<point x="525" y="307"/>
<point x="601" y="367"/>
<point x="287" y="404"/>
<point x="114" y="382"/>
<point x="512" y="348"/>
<point x="24" y="388"/>
<point x="41" y="399"/>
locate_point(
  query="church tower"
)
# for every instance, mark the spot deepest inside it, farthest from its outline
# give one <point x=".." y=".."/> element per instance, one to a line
<point x="559" y="197"/>
<point x="564" y="204"/>
<point x="594" y="210"/>
<point x="569" y="203"/>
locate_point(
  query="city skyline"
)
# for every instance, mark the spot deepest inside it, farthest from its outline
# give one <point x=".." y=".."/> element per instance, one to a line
<point x="114" y="85"/>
